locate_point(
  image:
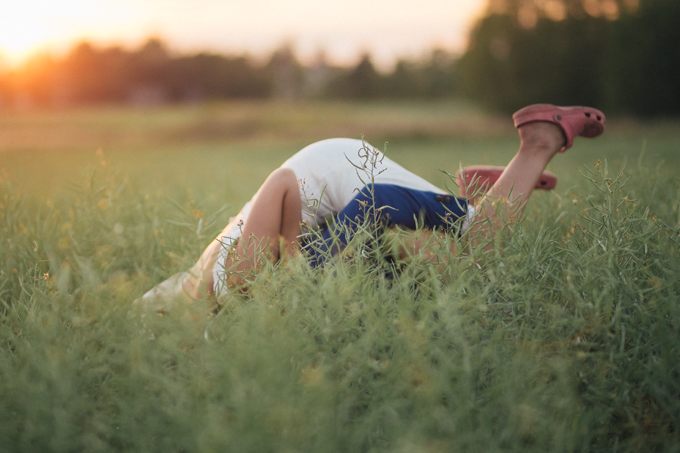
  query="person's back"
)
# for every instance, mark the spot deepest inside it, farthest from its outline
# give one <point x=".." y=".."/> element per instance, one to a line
<point x="330" y="173"/>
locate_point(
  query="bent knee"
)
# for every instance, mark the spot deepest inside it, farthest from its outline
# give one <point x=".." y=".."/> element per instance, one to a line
<point x="284" y="176"/>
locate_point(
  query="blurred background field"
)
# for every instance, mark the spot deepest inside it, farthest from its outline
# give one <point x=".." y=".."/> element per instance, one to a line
<point x="223" y="151"/>
<point x="227" y="115"/>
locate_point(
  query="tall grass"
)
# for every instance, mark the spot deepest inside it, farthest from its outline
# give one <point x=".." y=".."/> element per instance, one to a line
<point x="566" y="339"/>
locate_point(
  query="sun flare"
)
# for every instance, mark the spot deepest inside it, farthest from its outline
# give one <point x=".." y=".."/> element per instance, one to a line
<point x="21" y="35"/>
<point x="28" y="26"/>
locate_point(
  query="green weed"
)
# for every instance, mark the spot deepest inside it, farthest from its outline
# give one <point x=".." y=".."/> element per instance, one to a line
<point x="564" y="340"/>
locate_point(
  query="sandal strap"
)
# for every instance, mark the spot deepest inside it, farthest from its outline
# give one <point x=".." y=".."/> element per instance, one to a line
<point x="582" y="121"/>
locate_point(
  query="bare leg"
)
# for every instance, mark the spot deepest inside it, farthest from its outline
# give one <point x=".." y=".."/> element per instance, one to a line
<point x="274" y="221"/>
<point x="505" y="201"/>
<point x="273" y="224"/>
<point x="272" y="227"/>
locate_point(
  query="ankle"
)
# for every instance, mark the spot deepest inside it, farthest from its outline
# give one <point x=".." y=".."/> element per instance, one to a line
<point x="538" y="151"/>
<point x="541" y="137"/>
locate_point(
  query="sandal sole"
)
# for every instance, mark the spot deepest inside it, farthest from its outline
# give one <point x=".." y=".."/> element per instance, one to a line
<point x="480" y="178"/>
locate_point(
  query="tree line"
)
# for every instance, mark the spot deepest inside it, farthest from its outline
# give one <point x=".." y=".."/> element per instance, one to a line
<point x="619" y="55"/>
<point x="151" y="74"/>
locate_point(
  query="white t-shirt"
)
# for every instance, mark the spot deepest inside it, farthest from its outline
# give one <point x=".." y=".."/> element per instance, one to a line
<point x="329" y="172"/>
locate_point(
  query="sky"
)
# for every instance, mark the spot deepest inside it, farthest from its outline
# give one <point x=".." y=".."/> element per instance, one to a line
<point x="344" y="29"/>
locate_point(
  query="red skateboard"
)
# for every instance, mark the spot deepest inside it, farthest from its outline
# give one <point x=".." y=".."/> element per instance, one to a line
<point x="477" y="179"/>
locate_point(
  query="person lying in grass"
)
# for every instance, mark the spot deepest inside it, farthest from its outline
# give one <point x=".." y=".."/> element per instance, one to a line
<point x="344" y="179"/>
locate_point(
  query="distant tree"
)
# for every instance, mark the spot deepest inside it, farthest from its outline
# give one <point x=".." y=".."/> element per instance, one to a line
<point x="507" y="66"/>
<point x="360" y="82"/>
<point x="440" y="75"/>
<point x="318" y="76"/>
<point x="285" y="73"/>
<point x="431" y="77"/>
<point x="405" y="81"/>
<point x="619" y="55"/>
<point x="150" y="62"/>
<point x="90" y="75"/>
<point x="644" y="65"/>
<point x="213" y="76"/>
<point x="527" y="13"/>
<point x="81" y="74"/>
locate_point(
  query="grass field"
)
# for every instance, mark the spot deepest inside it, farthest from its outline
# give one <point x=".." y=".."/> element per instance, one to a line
<point x="572" y="344"/>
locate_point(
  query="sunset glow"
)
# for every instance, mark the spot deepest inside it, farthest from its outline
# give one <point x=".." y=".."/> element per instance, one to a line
<point x="386" y="28"/>
<point x="21" y="32"/>
<point x="31" y="26"/>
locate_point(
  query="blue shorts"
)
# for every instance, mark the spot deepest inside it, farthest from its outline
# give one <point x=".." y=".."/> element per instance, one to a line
<point x="386" y="205"/>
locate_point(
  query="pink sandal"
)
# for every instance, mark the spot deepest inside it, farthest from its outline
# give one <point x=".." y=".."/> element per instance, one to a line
<point x="574" y="121"/>
<point x="480" y="178"/>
